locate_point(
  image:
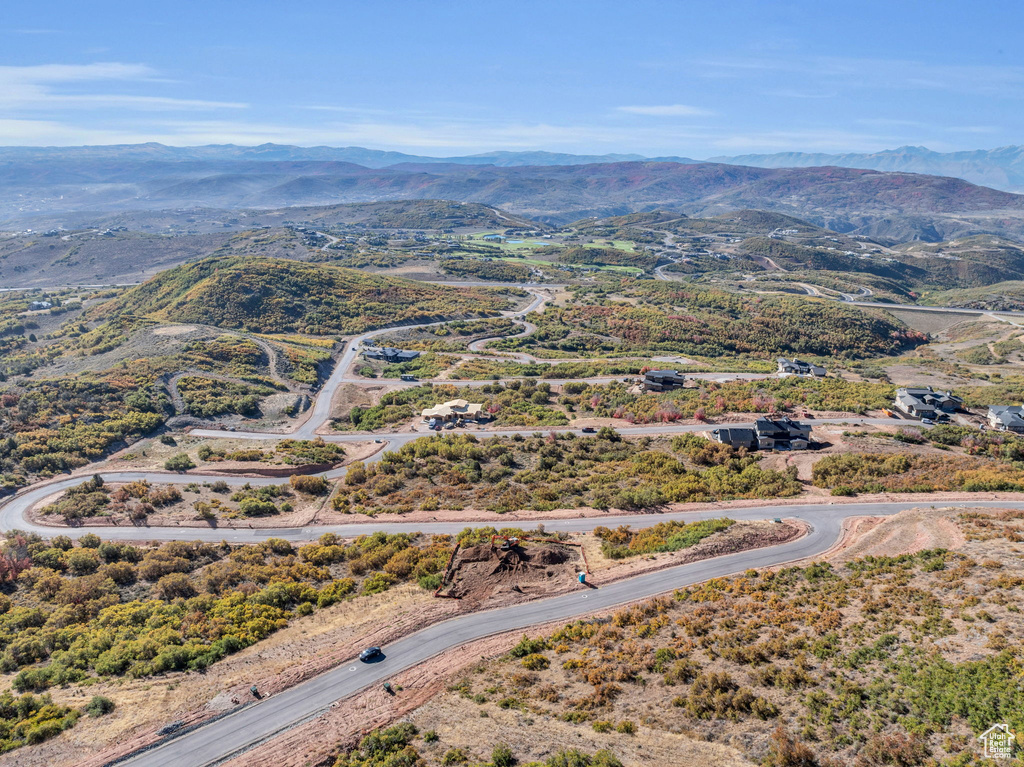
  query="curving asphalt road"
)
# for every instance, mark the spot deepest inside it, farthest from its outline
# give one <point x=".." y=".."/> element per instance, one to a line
<point x="320" y="413"/>
<point x="13" y="510"/>
<point x="257" y="722"/>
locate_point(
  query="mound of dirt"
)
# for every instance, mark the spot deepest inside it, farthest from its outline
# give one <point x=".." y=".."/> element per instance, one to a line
<point x="531" y="570"/>
<point x="904" y="533"/>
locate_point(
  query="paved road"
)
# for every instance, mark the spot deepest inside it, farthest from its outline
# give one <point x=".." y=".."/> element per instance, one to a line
<point x="13" y="510"/>
<point x="320" y="413"/>
<point x="258" y="722"/>
<point x="940" y="309"/>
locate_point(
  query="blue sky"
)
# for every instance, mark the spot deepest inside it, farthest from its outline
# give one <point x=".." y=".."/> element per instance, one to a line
<point x="684" y="78"/>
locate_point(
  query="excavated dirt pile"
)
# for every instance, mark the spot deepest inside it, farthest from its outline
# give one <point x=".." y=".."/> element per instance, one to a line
<point x="527" y="571"/>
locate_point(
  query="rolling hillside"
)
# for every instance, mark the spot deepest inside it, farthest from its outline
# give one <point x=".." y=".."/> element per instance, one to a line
<point x="279" y="296"/>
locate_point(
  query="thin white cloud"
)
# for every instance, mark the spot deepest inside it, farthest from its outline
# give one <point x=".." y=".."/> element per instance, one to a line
<point x="34" y="89"/>
<point x="666" y="110"/>
<point x="64" y="73"/>
<point x="852" y="72"/>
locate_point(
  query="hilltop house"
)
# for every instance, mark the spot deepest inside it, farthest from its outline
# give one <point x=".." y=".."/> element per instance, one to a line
<point x="767" y="434"/>
<point x="1006" y="418"/>
<point x="927" y="403"/>
<point x="800" y="368"/>
<point x="662" y="380"/>
<point x="457" y="409"/>
<point x="389" y="354"/>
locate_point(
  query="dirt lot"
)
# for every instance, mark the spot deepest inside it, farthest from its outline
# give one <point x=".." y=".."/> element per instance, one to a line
<point x="486" y="575"/>
<point x="904" y="533"/>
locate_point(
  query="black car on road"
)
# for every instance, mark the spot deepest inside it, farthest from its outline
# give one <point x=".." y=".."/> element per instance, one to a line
<point x="369" y="653"/>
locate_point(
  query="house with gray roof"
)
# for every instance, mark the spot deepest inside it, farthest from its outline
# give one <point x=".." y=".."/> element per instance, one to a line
<point x="800" y="368"/>
<point x="662" y="380"/>
<point x="927" y="403"/>
<point x="767" y="434"/>
<point x="389" y="354"/>
<point x="1006" y="418"/>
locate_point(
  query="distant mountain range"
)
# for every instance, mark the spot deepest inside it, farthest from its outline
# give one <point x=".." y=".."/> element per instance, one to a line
<point x="895" y="206"/>
<point x="368" y="158"/>
<point x="1001" y="168"/>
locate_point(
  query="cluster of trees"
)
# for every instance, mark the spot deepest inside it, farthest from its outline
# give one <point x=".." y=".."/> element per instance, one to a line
<point x="293" y="452"/>
<point x="708" y="399"/>
<point x="558" y="471"/>
<point x="491" y="370"/>
<point x="623" y="542"/>
<point x="689" y="319"/>
<point x="515" y="403"/>
<point x="828" y="653"/>
<point x="429" y="365"/>
<point x="267" y="295"/>
<point x="393" y="747"/>
<point x="487" y="269"/>
<point x="305" y="363"/>
<point x="101" y="609"/>
<point x="57" y="425"/>
<point x="208" y="397"/>
<point x="590" y="254"/>
<point x="94" y="498"/>
<point x="28" y="719"/>
<point x="850" y="473"/>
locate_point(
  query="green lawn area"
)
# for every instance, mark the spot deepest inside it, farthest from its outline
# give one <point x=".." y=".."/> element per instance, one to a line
<point x="625" y="245"/>
<point x="528" y="243"/>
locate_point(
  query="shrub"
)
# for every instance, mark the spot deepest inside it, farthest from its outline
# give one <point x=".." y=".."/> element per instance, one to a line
<point x="173" y="586"/>
<point x="98" y="706"/>
<point x="527" y="646"/>
<point x="179" y="462"/>
<point x="310" y="485"/>
<point x="501" y="756"/>
<point x="788" y="751"/>
<point x="536" y="662"/>
<point x="454" y="756"/>
<point x="90" y="541"/>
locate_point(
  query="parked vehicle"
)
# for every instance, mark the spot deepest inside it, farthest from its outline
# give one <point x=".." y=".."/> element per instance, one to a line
<point x="927" y="421"/>
<point x="589" y="430"/>
<point x="370" y="653"/>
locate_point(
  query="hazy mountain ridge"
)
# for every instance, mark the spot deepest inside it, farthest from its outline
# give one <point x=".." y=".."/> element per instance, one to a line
<point x="1001" y="168"/>
<point x="369" y="158"/>
<point x="897" y="206"/>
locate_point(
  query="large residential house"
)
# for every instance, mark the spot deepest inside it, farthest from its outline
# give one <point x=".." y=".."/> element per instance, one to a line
<point x="662" y="380"/>
<point x="457" y="409"/>
<point x="389" y="354"/>
<point x="927" y="403"/>
<point x="800" y="368"/>
<point x="1006" y="418"/>
<point x="767" y="434"/>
